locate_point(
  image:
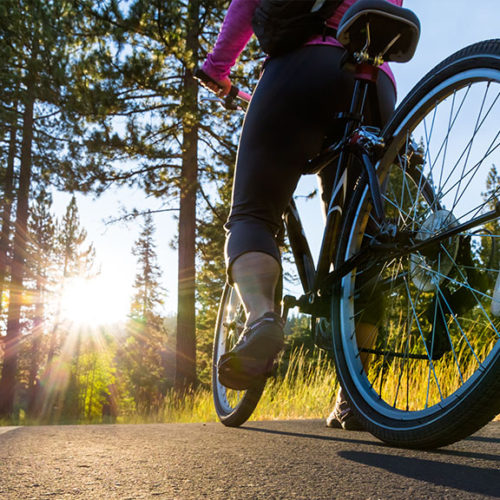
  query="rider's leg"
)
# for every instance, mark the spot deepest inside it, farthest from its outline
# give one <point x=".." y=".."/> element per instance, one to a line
<point x="285" y="125"/>
<point x="255" y="276"/>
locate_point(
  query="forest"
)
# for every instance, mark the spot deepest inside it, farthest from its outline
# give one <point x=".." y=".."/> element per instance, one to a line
<point x="100" y="94"/>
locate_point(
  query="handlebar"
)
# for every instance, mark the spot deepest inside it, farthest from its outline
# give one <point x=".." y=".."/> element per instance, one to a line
<point x="229" y="101"/>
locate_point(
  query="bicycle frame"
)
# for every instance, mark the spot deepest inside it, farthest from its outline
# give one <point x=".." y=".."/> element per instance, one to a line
<point x="357" y="142"/>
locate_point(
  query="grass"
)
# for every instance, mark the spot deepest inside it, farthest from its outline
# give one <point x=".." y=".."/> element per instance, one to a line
<point x="306" y="388"/>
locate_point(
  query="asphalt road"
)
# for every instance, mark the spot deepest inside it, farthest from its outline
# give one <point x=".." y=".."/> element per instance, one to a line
<point x="262" y="460"/>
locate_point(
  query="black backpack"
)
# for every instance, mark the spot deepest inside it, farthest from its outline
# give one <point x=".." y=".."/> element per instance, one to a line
<point x="285" y="25"/>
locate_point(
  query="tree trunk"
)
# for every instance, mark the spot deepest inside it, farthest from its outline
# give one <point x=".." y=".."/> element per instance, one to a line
<point x="185" y="376"/>
<point x="33" y="406"/>
<point x="13" y="337"/>
<point x="7" y="205"/>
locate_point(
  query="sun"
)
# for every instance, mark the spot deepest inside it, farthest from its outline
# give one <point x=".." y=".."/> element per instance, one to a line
<point x="94" y="302"/>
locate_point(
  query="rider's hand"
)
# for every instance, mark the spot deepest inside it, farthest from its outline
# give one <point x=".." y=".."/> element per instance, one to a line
<point x="222" y="87"/>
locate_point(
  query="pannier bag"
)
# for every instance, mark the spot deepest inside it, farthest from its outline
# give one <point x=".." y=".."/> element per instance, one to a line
<point x="284" y="25"/>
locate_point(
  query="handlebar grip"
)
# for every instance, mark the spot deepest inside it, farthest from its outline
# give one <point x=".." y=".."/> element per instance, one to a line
<point x="229" y="101"/>
<point x="200" y="75"/>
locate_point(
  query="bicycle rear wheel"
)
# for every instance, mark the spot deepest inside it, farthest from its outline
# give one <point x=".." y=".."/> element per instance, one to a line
<point x="233" y="407"/>
<point x="433" y="375"/>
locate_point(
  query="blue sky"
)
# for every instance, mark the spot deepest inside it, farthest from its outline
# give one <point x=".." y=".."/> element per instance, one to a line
<point x="447" y="26"/>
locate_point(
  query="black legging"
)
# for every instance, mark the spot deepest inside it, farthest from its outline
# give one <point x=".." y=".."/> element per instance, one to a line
<point x="287" y="122"/>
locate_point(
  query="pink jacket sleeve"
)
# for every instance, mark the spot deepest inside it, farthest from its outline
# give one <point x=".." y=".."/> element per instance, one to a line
<point x="234" y="34"/>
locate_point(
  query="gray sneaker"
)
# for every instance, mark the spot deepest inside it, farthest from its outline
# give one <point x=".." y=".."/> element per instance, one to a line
<point x="253" y="356"/>
<point x="342" y="417"/>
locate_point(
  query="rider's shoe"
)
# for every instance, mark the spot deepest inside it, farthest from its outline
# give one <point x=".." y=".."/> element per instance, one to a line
<point x="342" y="417"/>
<point x="253" y="356"/>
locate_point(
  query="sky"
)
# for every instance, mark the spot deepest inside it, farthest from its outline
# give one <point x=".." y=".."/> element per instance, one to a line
<point x="446" y="26"/>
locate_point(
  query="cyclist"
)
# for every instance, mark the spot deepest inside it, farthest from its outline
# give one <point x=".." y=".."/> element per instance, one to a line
<point x="287" y="122"/>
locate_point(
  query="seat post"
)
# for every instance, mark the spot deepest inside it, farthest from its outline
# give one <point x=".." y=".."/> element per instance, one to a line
<point x="364" y="75"/>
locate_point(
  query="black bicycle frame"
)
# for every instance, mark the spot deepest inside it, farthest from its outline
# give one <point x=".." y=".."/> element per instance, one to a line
<point x="353" y="144"/>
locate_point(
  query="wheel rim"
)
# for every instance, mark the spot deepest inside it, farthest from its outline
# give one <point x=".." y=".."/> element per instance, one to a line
<point x="230" y="326"/>
<point x="454" y="311"/>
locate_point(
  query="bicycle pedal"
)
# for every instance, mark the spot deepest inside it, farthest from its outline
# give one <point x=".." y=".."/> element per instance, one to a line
<point x="322" y="334"/>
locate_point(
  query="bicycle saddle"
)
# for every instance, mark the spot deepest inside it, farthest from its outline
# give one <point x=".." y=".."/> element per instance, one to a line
<point x="381" y="29"/>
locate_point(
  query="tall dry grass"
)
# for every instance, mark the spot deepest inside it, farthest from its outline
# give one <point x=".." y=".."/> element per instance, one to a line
<point x="307" y="388"/>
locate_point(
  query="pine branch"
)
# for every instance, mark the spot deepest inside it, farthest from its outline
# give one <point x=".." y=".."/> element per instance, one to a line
<point x="136" y="213"/>
<point x="209" y="203"/>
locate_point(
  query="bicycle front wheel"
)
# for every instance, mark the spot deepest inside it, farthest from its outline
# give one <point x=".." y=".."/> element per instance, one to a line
<point x="427" y="373"/>
<point x="233" y="407"/>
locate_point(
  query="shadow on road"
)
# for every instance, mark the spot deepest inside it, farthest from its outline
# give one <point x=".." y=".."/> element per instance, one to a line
<point x="463" y="477"/>
<point x="315" y="436"/>
<point x="483" y="439"/>
<point x="466" y="454"/>
<point x="356" y="440"/>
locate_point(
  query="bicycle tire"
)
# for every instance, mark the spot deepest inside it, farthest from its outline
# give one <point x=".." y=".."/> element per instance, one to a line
<point x="233" y="408"/>
<point x="456" y="402"/>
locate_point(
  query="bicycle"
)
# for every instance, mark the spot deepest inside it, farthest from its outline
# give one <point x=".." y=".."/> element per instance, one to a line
<point x="417" y="236"/>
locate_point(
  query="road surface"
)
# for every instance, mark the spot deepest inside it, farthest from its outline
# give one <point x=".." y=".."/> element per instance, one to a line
<point x="262" y="460"/>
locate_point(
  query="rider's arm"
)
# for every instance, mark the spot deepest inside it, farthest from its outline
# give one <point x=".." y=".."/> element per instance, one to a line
<point x="234" y="34"/>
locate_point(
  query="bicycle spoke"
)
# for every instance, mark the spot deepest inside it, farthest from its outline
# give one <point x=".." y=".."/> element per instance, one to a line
<point x="446" y="139"/>
<point x="432" y="350"/>
<point x="476" y="169"/>
<point x="470" y="173"/>
<point x="400" y="362"/>
<point x="400" y="210"/>
<point x="459" y="327"/>
<point x="477" y="127"/>
<point x="467" y="146"/>
<point x="474" y="292"/>
<point x="423" y="339"/>
<point x="476" y="211"/>
<point x="454" y="281"/>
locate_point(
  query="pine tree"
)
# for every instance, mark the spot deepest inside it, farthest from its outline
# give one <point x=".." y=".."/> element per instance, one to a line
<point x="142" y="357"/>
<point x="41" y="257"/>
<point x="73" y="257"/>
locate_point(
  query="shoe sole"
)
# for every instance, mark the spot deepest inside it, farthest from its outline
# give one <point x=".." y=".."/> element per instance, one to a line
<point x="243" y="373"/>
<point x="250" y="363"/>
